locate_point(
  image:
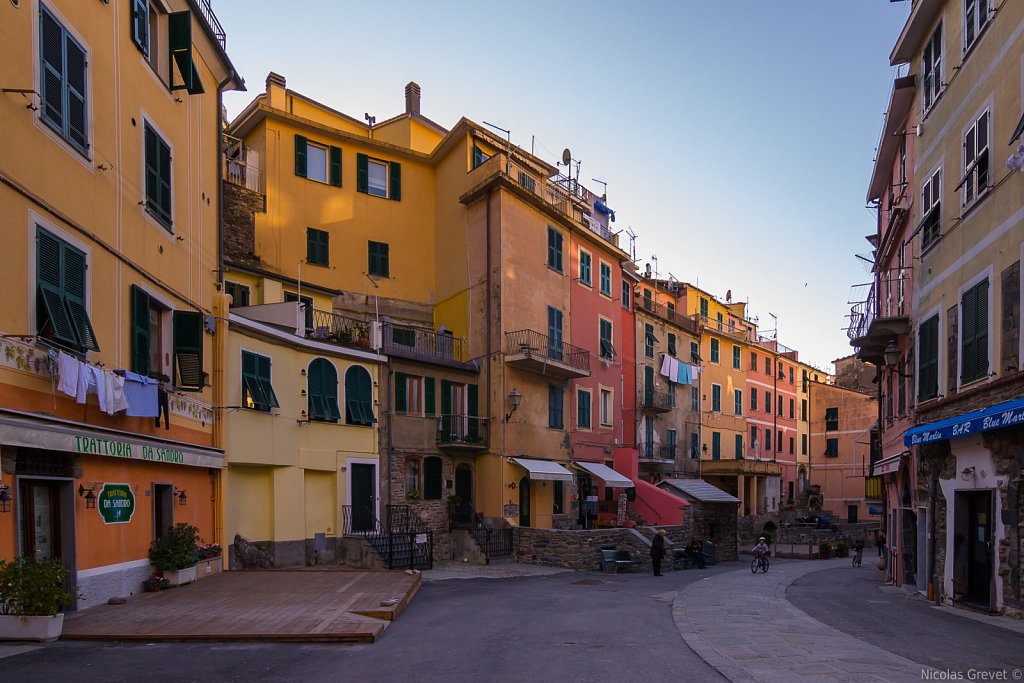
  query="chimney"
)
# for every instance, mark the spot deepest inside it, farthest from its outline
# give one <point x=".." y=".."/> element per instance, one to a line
<point x="275" y="90"/>
<point x="412" y="98"/>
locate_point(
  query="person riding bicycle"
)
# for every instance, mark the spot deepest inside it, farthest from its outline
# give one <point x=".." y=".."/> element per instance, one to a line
<point x="858" y="550"/>
<point x="761" y="548"/>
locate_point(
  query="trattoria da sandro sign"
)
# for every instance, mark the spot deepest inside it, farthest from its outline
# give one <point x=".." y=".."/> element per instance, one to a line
<point x="123" y="449"/>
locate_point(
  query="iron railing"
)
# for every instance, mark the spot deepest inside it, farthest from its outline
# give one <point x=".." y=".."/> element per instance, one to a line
<point x="537" y="344"/>
<point x="412" y="342"/>
<point x="886" y="298"/>
<point x="494" y="542"/>
<point x="667" y="451"/>
<point x="466" y="430"/>
<point x="656" y="400"/>
<point x="339" y="329"/>
<point x="401" y="539"/>
<point x="211" y="20"/>
<point x="671" y="315"/>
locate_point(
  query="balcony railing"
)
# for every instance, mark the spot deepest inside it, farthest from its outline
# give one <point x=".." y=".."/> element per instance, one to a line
<point x="419" y="344"/>
<point x="467" y="431"/>
<point x="339" y="329"/>
<point x="886" y="298"/>
<point x="658" y="401"/>
<point x="241" y="164"/>
<point x="211" y="20"/>
<point x="667" y="452"/>
<point x="535" y="345"/>
<point x="728" y="328"/>
<point x="654" y="451"/>
<point x="671" y="315"/>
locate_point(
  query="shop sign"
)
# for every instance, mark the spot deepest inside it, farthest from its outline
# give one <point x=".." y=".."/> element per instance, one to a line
<point x="116" y="503"/>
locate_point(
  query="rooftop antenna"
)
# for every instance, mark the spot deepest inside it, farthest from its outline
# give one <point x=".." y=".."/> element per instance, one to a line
<point x="508" y="143"/>
<point x="370" y="120"/>
<point x="604" y="197"/>
<point x="654" y="258"/>
<point x="632" y="244"/>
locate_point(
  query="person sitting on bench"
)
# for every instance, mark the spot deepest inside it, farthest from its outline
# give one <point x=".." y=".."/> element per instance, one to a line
<point x="694" y="553"/>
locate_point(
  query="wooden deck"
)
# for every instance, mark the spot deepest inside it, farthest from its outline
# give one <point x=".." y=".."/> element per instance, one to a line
<point x="282" y="605"/>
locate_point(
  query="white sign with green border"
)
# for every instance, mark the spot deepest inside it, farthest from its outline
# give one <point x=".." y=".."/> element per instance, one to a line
<point x="116" y="503"/>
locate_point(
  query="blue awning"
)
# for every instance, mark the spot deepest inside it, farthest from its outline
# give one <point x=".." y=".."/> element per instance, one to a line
<point x="995" y="417"/>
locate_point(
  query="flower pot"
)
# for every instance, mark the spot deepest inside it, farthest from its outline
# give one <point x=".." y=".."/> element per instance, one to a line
<point x="179" y="577"/>
<point x="209" y="567"/>
<point x="43" y="629"/>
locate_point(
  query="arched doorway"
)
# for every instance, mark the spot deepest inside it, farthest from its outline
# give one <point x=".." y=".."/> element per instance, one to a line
<point x="524" y="502"/>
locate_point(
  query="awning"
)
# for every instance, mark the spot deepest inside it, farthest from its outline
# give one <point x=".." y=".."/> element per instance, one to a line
<point x="888" y="465"/>
<point x="611" y="478"/>
<point x="72" y="437"/>
<point x="994" y="417"/>
<point x="544" y="469"/>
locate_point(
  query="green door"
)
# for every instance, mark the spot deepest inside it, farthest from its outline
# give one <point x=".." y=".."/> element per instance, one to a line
<point x="648" y="385"/>
<point x="363" y="507"/>
<point x="524" y="501"/>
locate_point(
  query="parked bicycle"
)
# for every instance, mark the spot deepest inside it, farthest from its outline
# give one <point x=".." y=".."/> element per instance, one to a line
<point x="760" y="562"/>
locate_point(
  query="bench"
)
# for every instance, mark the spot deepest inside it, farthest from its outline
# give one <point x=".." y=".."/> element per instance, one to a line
<point x="613" y="560"/>
<point x="710" y="551"/>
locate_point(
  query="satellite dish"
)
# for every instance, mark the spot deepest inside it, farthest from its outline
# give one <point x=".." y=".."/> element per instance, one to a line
<point x="566" y="156"/>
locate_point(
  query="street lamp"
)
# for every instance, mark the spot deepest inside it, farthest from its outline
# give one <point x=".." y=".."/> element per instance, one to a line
<point x="891" y="357"/>
<point x="515" y="397"/>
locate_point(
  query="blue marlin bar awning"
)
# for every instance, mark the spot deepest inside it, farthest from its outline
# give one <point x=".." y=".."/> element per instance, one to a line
<point x="995" y="417"/>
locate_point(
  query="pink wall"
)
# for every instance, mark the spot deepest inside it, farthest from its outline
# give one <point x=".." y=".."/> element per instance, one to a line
<point x="652" y="504"/>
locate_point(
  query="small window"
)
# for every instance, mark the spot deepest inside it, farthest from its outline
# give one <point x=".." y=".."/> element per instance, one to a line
<point x="257" y="389"/>
<point x="739" y="446"/>
<point x="359" y="397"/>
<point x="977" y="165"/>
<point x="931" y="66"/>
<point x="792" y="408"/>
<point x="803" y="444"/>
<point x="716" y="446"/>
<point x="322" y="391"/>
<point x="694" y="398"/>
<point x="714" y="350"/>
<point x="627" y="294"/>
<point x="314" y="161"/>
<point x="554" y="249"/>
<point x="558" y="497"/>
<point x="695" y="352"/>
<point x="433" y="481"/>
<point x="694" y="446"/>
<point x="649" y="340"/>
<point x="318" y="251"/>
<point x="736" y="357"/>
<point x="307" y="308"/>
<point x="767" y="401"/>
<point x="158" y="176"/>
<point x="585" y="268"/>
<point x="479" y="156"/>
<point x="606" y="279"/>
<point x="409" y="393"/>
<point x="703" y="308"/>
<point x="582" y="409"/>
<point x="671" y="344"/>
<point x="832" y="448"/>
<point x="606" y="407"/>
<point x="803" y="410"/>
<point x="555" y="407"/>
<point x="62" y="82"/>
<point x="738" y="402"/>
<point x="792" y="445"/>
<point x="379" y="259"/>
<point x="239" y="294"/>
<point x="61" y="285"/>
<point x="931" y="206"/>
<point x="767" y="440"/>
<point x="974" y="322"/>
<point x="831" y="419"/>
<point x="378" y="178"/>
<point x="607" y="348"/>
<point x="976" y="16"/>
<point x="753" y="399"/>
<point x="767" y="366"/>
<point x="753" y="361"/>
<point x="928" y="359"/>
<point x="527" y="182"/>
<point x="716" y="398"/>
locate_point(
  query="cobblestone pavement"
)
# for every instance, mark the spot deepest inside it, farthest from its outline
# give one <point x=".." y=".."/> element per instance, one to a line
<point x="444" y="571"/>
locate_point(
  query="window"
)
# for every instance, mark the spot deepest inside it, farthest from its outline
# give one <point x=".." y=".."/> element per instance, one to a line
<point x="359" y="397"/>
<point x="739" y="446"/>
<point x="753" y="439"/>
<point x="554" y="249"/>
<point x="62" y="82"/>
<point x="583" y="409"/>
<point x="648" y="450"/>
<point x="147" y="333"/>
<point x="187" y="354"/>
<point x="716" y="398"/>
<point x="671" y="344"/>
<point x="555" y="405"/>
<point x="379" y="260"/>
<point x="753" y="399"/>
<point x="694" y="398"/>
<point x="791" y="381"/>
<point x="606" y="407"/>
<point x="703" y="308"/>
<point x="307" y="308"/>
<point x="585" y="268"/>
<point x="976" y="161"/>
<point x="928" y="359"/>
<point x="778" y="440"/>
<point x="412" y="476"/>
<point x="321" y="163"/>
<point x="714" y="350"/>
<point x="716" y="445"/>
<point x="145" y="28"/>
<point x="239" y="294"/>
<point x="719" y="321"/>
<point x="831" y="419"/>
<point x="605" y="336"/>
<point x="792" y="408"/>
<point x="767" y="366"/>
<point x="378" y="178"/>
<point x="974" y="333"/>
<point x="832" y="448"/>
<point x="694" y="352"/>
<point x="767" y="440"/>
<point x="158" y="176"/>
<point x="627" y="294"/>
<point x="527" y="182"/>
<point x="479" y="156"/>
<point x="975" y="21"/>
<point x="322" y="391"/>
<point x="606" y="279"/>
<point x="767" y="401"/>
<point x="670" y="442"/>
<point x="931" y="85"/>
<point x="409" y="394"/>
<point x="648" y="302"/>
<point x="803" y="444"/>
<point x="317" y="247"/>
<point x="737" y="408"/>
<point x="433" y="483"/>
<point x="61" y="277"/>
<point x="554" y="333"/>
<point x="779" y="397"/>
<point x="736" y="357"/>
<point x="257" y="390"/>
<point x="671" y="394"/>
<point x="649" y="340"/>
<point x="694" y="445"/>
<point x="792" y="445"/>
<point x="803" y="409"/>
<point x="931" y="205"/>
<point x="753" y="361"/>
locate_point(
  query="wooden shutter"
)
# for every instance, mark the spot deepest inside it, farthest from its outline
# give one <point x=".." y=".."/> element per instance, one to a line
<point x="50" y="289"/>
<point x="362" y="173"/>
<point x="140" y="24"/>
<point x="446" y="407"/>
<point x="472" y="400"/>
<point x="263" y="371"/>
<point x="164" y="179"/>
<point x="395" y="181"/>
<point x="300" y="156"/>
<point x="140" y="331"/>
<point x="428" y="394"/>
<point x="334" y="175"/>
<point x="1010" y="325"/>
<point x="400" y="397"/>
<point x="317" y="409"/>
<point x="51" y="47"/>
<point x="188" y="350"/>
<point x="952" y="350"/>
<point x="74" y="297"/>
<point x="981" y="329"/>
<point x="251" y="382"/>
<point x="179" y="40"/>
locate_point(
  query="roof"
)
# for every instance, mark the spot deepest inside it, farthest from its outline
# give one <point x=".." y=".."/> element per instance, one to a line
<point x="700" y="490"/>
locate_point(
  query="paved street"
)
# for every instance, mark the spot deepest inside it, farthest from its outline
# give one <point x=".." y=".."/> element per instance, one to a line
<point x="801" y="621"/>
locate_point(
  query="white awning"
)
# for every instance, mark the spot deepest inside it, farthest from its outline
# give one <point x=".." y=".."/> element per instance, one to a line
<point x="611" y="477"/>
<point x="544" y="469"/>
<point x="889" y="465"/>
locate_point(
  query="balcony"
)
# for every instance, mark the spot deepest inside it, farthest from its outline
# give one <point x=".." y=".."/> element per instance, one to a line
<point x="727" y="328"/>
<point x="211" y="21"/>
<point x="882" y="315"/>
<point x="681" y="320"/>
<point x="656" y="401"/>
<point x="657" y="453"/>
<point x="241" y="165"/>
<point x="413" y="343"/>
<point x="464" y="433"/>
<point x="535" y="352"/>
<point x="737" y="467"/>
<point x="334" y="328"/>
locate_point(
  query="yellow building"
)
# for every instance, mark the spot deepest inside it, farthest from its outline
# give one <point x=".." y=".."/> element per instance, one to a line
<point x="109" y="193"/>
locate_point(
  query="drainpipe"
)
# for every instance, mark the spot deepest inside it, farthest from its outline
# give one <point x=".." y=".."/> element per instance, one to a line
<point x="933" y="569"/>
<point x="487" y="341"/>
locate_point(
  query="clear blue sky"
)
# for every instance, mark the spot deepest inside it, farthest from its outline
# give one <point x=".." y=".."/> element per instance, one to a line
<point x="736" y="138"/>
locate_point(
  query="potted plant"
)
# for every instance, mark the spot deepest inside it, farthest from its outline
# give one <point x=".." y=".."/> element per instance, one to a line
<point x="174" y="554"/>
<point x="155" y="583"/>
<point x="210" y="561"/>
<point x="825" y="550"/>
<point x="32" y="597"/>
<point x="413" y="495"/>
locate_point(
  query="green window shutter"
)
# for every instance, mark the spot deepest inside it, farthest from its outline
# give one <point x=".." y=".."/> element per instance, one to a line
<point x="395" y="181"/>
<point x="358" y="397"/>
<point x="317" y="409"/>
<point x="981" y="329"/>
<point x="74" y="297"/>
<point x="472" y="400"/>
<point x="329" y="390"/>
<point x="428" y="394"/>
<point x="188" y="350"/>
<point x="140" y="24"/>
<point x="251" y="382"/>
<point x="140" y="331"/>
<point x="334" y="176"/>
<point x="362" y="173"/>
<point x="50" y="289"/>
<point x="446" y="406"/>
<point x="51" y="49"/>
<point x="179" y="41"/>
<point x="263" y="372"/>
<point x="300" y="156"/>
<point x="400" y="400"/>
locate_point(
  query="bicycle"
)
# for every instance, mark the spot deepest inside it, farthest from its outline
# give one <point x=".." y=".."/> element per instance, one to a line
<point x="858" y="557"/>
<point x="760" y="562"/>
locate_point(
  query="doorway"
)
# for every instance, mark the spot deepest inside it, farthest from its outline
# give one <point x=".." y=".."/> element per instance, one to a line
<point x="163" y="509"/>
<point x="363" y="499"/>
<point x="40" y="516"/>
<point x="979" y="547"/>
<point x="462" y="512"/>
<point x="851" y="513"/>
<point x="524" y="502"/>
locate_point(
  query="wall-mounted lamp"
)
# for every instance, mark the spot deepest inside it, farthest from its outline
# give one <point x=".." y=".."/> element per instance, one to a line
<point x="5" y="498"/>
<point x="967" y="473"/>
<point x="515" y="397"/>
<point x="891" y="356"/>
<point x="182" y="498"/>
<point x="90" y="495"/>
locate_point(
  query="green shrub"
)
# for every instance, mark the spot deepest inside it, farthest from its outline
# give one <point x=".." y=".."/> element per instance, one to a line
<point x="176" y="549"/>
<point x="842" y="549"/>
<point x="825" y="548"/>
<point x="33" y="588"/>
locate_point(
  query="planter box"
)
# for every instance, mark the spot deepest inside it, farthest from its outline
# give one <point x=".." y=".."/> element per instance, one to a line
<point x="180" y="577"/>
<point x="43" y="629"/>
<point x="209" y="567"/>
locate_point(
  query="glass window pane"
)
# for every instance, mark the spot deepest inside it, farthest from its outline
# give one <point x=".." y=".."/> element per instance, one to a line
<point x="316" y="163"/>
<point x="377" y="179"/>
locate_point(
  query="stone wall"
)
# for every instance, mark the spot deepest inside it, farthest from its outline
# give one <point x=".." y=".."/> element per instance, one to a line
<point x="581" y="549"/>
<point x="240" y="207"/>
<point x="716" y="522"/>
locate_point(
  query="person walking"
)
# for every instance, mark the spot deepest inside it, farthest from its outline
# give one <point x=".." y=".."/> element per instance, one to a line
<point x="880" y="543"/>
<point x="658" y="551"/>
